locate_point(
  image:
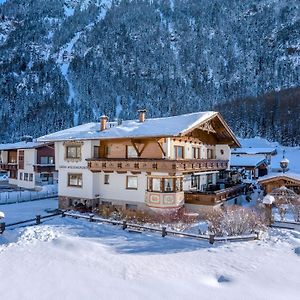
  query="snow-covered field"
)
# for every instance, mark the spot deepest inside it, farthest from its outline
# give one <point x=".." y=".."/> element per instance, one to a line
<point x="73" y="259"/>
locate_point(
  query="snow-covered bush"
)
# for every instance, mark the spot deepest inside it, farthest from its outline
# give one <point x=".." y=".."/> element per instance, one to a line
<point x="234" y="220"/>
<point x="296" y="211"/>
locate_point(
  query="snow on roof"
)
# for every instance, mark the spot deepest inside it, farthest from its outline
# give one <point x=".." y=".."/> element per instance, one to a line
<point x="242" y="161"/>
<point x="157" y="127"/>
<point x="20" y="145"/>
<point x="293" y="176"/>
<point x="251" y="150"/>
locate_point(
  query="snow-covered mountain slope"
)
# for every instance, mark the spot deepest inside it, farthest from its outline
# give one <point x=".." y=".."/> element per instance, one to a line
<point x="65" y="62"/>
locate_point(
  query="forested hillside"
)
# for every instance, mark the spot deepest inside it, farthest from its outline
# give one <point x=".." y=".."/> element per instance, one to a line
<point x="65" y="62"/>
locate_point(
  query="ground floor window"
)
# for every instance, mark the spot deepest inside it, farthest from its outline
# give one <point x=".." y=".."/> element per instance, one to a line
<point x="131" y="182"/>
<point x="131" y="207"/>
<point x="30" y="177"/>
<point x="21" y="176"/>
<point x="75" y="180"/>
<point x="26" y="176"/>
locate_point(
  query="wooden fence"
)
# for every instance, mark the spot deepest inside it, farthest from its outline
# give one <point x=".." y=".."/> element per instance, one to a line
<point x="163" y="230"/>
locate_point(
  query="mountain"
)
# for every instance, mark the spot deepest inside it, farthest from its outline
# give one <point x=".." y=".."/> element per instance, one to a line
<point x="65" y="62"/>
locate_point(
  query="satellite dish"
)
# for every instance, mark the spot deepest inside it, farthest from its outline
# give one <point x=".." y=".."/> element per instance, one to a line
<point x="2" y="215"/>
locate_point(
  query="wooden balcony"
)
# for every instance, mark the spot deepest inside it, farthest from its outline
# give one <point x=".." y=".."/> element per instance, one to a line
<point x="155" y="165"/>
<point x="9" y="166"/>
<point x="215" y="197"/>
<point x="41" y="168"/>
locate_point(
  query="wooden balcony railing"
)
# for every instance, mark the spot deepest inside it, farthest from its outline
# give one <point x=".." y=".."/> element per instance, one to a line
<point x="8" y="166"/>
<point x="155" y="165"/>
<point x="39" y="168"/>
<point x="215" y="197"/>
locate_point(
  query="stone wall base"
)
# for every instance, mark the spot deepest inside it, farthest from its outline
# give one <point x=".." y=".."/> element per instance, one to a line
<point x="71" y="202"/>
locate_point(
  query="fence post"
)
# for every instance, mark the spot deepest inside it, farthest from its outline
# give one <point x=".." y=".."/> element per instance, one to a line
<point x="163" y="231"/>
<point x="37" y="219"/>
<point x="124" y="225"/>
<point x="63" y="214"/>
<point x="211" y="238"/>
<point x="2" y="227"/>
<point x="91" y="218"/>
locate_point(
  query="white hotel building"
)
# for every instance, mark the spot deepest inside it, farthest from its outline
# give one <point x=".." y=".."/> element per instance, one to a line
<point x="145" y="163"/>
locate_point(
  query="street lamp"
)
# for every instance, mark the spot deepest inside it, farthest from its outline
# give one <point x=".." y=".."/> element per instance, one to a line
<point x="284" y="163"/>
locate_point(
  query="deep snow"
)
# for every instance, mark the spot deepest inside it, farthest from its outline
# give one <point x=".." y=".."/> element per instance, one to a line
<point x="73" y="259"/>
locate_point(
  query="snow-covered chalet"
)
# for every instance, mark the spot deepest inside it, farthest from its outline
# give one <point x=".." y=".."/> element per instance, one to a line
<point x="146" y="163"/>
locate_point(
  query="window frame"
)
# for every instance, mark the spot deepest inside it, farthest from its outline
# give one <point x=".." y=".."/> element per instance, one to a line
<point x="127" y="181"/>
<point x="78" y="152"/>
<point x="176" y="148"/>
<point x="106" y="179"/>
<point x="79" y="175"/>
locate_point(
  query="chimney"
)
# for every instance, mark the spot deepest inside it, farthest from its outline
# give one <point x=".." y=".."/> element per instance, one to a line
<point x="103" y="122"/>
<point x="142" y="115"/>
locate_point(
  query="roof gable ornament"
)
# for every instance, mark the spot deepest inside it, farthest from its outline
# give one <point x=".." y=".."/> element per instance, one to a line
<point x="207" y="126"/>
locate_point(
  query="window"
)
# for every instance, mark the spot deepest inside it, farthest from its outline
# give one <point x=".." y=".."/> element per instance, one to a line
<point x="196" y="152"/>
<point x="106" y="179"/>
<point x="73" y="152"/>
<point x="131" y="182"/>
<point x="21" y="176"/>
<point x="179" y="152"/>
<point x="30" y="177"/>
<point x="47" y="160"/>
<point x="107" y="151"/>
<point x="75" y="180"/>
<point x="26" y="176"/>
<point x="132" y="207"/>
<point x="168" y="185"/>
<point x="209" y="178"/>
<point x="156" y="184"/>
<point x="131" y="152"/>
<point x="96" y="151"/>
<point x="209" y="153"/>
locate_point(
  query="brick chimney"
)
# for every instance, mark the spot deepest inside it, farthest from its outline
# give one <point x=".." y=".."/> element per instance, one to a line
<point x="103" y="122"/>
<point x="142" y="115"/>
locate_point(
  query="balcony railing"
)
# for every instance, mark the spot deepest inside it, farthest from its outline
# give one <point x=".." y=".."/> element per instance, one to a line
<point x="213" y="197"/>
<point x="155" y="165"/>
<point x="39" y="168"/>
<point x="8" y="166"/>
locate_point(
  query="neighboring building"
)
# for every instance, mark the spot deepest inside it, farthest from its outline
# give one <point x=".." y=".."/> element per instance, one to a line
<point x="29" y="164"/>
<point x="267" y="153"/>
<point x="275" y="181"/>
<point x="252" y="167"/>
<point x="156" y="163"/>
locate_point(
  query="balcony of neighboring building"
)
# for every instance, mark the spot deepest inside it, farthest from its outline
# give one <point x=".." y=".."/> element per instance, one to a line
<point x="45" y="164"/>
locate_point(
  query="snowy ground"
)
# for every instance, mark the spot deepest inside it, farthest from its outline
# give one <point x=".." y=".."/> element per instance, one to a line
<point x="74" y="259"/>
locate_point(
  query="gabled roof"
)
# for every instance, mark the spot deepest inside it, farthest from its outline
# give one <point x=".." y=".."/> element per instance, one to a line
<point x="278" y="176"/>
<point x="254" y="151"/>
<point x="242" y="161"/>
<point x="21" y="145"/>
<point x="156" y="127"/>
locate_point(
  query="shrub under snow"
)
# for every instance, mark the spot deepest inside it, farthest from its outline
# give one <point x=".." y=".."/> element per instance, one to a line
<point x="234" y="220"/>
